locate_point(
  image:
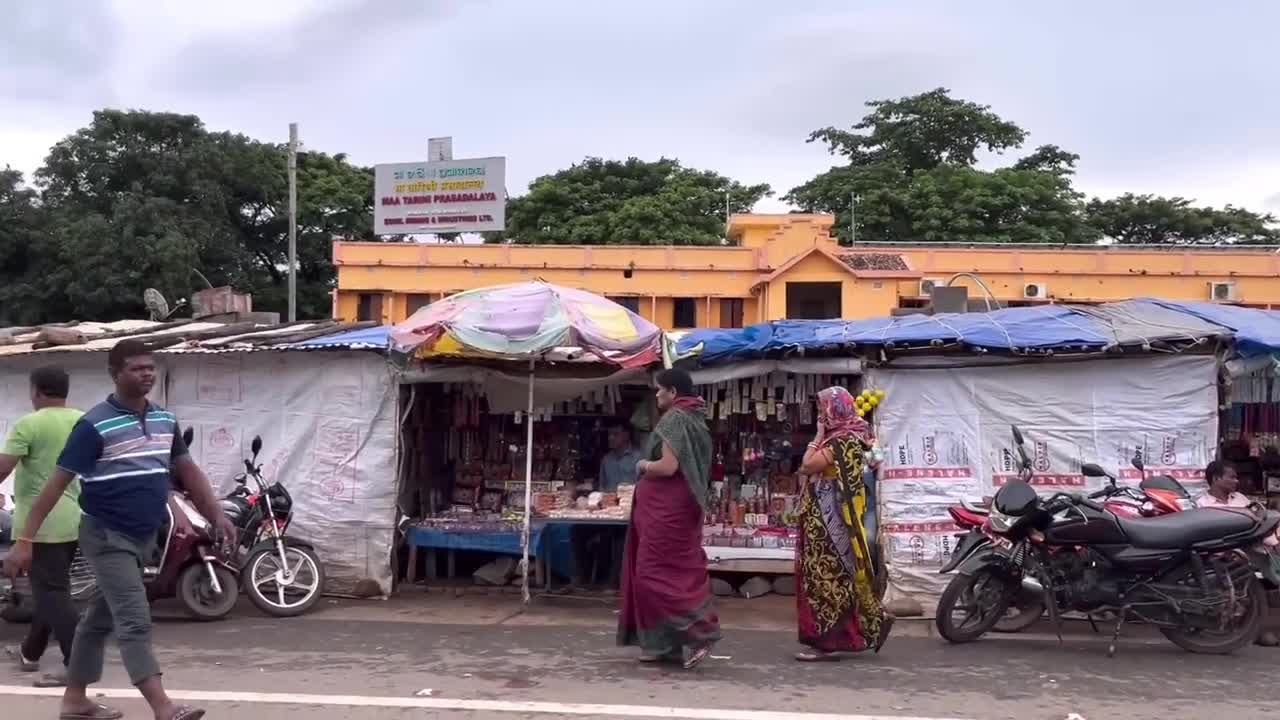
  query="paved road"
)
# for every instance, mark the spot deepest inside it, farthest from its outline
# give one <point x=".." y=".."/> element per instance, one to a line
<point x="483" y="662"/>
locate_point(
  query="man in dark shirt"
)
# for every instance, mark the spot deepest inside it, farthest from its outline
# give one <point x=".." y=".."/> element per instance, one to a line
<point x="122" y="450"/>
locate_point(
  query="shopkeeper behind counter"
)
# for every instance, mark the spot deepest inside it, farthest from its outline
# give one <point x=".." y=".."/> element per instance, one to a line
<point x="596" y="546"/>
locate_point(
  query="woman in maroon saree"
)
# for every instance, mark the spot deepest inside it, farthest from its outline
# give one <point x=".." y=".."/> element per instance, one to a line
<point x="666" y="592"/>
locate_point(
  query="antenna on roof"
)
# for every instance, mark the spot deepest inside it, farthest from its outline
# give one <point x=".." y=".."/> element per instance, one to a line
<point x="158" y="307"/>
<point x="155" y="303"/>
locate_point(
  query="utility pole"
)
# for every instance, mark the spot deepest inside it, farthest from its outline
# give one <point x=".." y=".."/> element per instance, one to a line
<point x="853" y="218"/>
<point x="293" y="222"/>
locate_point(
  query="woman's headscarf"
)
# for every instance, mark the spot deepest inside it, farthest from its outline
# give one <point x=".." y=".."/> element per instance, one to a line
<point x="840" y="415"/>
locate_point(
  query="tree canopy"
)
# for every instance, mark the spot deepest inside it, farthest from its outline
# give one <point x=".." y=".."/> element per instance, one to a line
<point x="140" y="199"/>
<point x="913" y="166"/>
<point x="631" y="202"/>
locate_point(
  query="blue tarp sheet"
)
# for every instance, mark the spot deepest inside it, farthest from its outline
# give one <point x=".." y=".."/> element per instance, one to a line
<point x="1044" y="326"/>
<point x="1041" y="327"/>
<point x="1257" y="332"/>
<point x="373" y="336"/>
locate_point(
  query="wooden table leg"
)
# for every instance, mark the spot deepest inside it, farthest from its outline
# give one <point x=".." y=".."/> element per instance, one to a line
<point x="432" y="572"/>
<point x="453" y="563"/>
<point x="412" y="574"/>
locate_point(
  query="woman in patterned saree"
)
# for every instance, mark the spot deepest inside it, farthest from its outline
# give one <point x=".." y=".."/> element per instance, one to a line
<point x="836" y="603"/>
<point x="666" y="593"/>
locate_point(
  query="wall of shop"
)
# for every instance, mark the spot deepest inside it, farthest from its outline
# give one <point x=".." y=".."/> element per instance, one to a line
<point x="327" y="421"/>
<point x="946" y="437"/>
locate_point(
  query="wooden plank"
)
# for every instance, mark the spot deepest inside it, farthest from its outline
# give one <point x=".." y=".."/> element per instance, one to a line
<point x="756" y="567"/>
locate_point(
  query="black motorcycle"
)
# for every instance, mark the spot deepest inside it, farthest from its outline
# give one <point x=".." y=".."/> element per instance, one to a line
<point x="1197" y="575"/>
<point x="282" y="575"/>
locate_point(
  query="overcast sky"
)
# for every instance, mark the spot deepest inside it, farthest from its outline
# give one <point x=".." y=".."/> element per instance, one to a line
<point x="1167" y="97"/>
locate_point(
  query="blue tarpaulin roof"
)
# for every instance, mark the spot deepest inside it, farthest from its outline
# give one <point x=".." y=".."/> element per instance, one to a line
<point x="1040" y="327"/>
<point x="362" y="339"/>
<point x="1256" y="331"/>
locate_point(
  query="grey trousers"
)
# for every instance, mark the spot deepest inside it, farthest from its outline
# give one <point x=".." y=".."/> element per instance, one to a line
<point x="120" y="606"/>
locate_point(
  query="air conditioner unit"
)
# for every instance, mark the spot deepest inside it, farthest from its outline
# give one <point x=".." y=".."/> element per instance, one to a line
<point x="1222" y="291"/>
<point x="1035" y="291"/>
<point x="928" y="284"/>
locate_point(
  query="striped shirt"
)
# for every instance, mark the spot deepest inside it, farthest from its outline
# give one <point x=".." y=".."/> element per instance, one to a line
<point x="123" y="459"/>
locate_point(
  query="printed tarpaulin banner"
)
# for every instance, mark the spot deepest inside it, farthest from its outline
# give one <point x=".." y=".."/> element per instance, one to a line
<point x="946" y="437"/>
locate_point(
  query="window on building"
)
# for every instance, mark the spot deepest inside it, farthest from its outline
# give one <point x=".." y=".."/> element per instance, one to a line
<point x="731" y="312"/>
<point x="415" y="302"/>
<point x="813" y="300"/>
<point x="684" y="313"/>
<point x="630" y="302"/>
<point x="369" y="308"/>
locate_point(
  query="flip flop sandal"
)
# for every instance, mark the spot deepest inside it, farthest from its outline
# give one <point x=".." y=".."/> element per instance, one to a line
<point x="886" y="624"/>
<point x="99" y="712"/>
<point x="696" y="658"/>
<point x="814" y="656"/>
<point x="51" y="680"/>
<point x="187" y="713"/>
<point x="655" y="659"/>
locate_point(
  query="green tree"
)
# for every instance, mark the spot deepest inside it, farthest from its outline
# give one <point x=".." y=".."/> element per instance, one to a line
<point x="631" y="202"/>
<point x="911" y="164"/>
<point x="1150" y="219"/>
<point x="140" y="199"/>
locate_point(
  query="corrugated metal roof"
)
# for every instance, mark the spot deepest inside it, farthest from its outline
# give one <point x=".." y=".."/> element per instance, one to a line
<point x="194" y="337"/>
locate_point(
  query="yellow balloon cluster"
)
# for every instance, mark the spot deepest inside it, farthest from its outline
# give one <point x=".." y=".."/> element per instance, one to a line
<point x="867" y="400"/>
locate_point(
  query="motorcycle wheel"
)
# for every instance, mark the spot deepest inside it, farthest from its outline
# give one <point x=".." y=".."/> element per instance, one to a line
<point x="197" y="596"/>
<point x="1023" y="612"/>
<point x="1243" y="631"/>
<point x="982" y="596"/>
<point x="278" y="599"/>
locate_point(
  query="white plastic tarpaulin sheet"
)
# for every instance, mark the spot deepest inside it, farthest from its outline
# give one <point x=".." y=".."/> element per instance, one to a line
<point x="327" y="421"/>
<point x="328" y="427"/>
<point x="946" y="437"/>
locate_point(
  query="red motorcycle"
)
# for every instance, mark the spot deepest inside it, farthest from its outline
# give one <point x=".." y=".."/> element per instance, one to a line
<point x="191" y="563"/>
<point x="1155" y="495"/>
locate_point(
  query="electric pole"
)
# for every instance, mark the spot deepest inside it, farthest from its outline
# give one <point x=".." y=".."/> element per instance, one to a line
<point x="293" y="222"/>
<point x="853" y="218"/>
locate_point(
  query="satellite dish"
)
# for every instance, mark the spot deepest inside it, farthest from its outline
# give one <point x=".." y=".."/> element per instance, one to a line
<point x="156" y="305"/>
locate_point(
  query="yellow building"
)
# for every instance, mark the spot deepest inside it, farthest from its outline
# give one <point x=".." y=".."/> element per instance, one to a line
<point x="788" y="266"/>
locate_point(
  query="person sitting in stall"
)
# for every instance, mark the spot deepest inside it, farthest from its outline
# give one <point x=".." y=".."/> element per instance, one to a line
<point x="592" y="544"/>
<point x="1223" y="493"/>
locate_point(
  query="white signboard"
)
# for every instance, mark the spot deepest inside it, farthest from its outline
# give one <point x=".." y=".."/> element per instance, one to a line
<point x="451" y="196"/>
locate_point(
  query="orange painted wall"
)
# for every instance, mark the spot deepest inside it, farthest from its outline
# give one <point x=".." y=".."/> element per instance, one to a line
<point x="765" y="244"/>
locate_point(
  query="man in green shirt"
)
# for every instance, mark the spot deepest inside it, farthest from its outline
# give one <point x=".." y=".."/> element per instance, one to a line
<point x="30" y="453"/>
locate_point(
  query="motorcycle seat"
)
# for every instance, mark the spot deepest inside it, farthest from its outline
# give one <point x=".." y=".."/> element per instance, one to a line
<point x="1184" y="529"/>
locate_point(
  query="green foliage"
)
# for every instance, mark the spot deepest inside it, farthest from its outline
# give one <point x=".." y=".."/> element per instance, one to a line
<point x="608" y="202"/>
<point x="1151" y="219"/>
<point x="912" y="164"/>
<point x="140" y="199"/>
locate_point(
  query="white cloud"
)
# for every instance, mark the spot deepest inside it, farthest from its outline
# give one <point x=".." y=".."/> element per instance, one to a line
<point x="1173" y="98"/>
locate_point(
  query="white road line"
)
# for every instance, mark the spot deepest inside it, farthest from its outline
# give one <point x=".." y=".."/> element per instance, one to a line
<point x="498" y="706"/>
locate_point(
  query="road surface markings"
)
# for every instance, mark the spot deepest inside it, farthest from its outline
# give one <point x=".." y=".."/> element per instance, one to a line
<point x="498" y="706"/>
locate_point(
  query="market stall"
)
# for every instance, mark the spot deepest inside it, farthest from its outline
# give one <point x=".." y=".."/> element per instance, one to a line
<point x="567" y="346"/>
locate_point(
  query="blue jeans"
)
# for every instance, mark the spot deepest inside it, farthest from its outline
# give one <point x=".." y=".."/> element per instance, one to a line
<point x="120" y="606"/>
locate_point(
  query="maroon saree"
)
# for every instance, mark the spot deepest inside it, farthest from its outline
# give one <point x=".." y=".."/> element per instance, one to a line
<point x="666" y="592"/>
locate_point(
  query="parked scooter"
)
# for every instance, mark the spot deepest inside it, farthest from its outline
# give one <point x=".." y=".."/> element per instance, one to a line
<point x="192" y="563"/>
<point x="283" y="575"/>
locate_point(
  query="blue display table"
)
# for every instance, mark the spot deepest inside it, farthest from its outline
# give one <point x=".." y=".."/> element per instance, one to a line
<point x="549" y="545"/>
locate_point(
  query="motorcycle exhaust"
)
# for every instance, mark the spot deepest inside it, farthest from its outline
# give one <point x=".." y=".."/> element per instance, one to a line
<point x="1032" y="584"/>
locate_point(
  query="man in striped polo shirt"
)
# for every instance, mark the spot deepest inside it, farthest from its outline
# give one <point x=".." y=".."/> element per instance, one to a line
<point x="122" y="450"/>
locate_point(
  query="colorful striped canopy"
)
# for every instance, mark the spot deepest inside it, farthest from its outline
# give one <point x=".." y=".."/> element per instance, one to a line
<point x="524" y="321"/>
